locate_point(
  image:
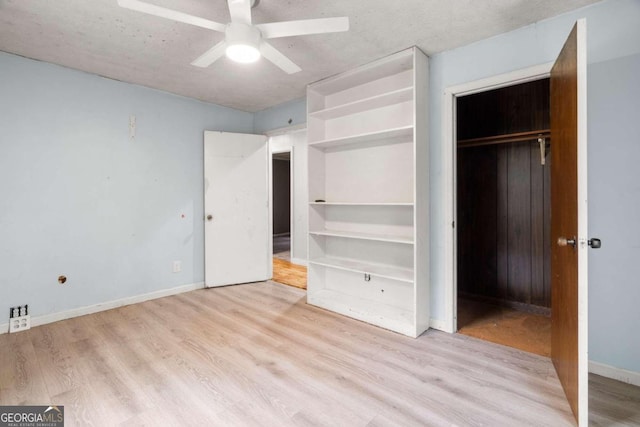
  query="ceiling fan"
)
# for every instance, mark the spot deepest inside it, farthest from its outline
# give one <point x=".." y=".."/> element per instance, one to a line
<point x="244" y="42"/>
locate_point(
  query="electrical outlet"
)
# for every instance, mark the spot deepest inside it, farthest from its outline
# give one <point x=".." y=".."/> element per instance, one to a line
<point x="19" y="319"/>
<point x="177" y="266"/>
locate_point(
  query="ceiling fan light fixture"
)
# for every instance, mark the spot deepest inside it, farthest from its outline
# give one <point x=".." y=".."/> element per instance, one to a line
<point x="242" y="53"/>
<point x="243" y="43"/>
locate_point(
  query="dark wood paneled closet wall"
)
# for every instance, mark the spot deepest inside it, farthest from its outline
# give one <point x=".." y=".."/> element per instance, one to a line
<point x="512" y="109"/>
<point x="503" y="198"/>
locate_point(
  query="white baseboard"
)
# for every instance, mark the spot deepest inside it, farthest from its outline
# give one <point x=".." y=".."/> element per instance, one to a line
<point x="629" y="377"/>
<point x="299" y="261"/>
<point x="103" y="306"/>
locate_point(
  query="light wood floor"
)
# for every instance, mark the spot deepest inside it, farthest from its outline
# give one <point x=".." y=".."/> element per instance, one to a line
<point x="257" y="355"/>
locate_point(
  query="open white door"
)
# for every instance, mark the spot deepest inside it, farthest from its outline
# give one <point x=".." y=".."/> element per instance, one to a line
<point x="236" y="208"/>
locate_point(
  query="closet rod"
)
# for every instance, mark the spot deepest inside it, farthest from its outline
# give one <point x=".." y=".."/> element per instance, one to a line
<point x="502" y="139"/>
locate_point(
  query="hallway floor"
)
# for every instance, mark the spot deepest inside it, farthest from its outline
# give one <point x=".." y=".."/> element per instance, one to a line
<point x="282" y="247"/>
<point x="290" y="274"/>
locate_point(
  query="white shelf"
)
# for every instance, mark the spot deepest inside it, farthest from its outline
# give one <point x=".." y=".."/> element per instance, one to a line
<point x="378" y="101"/>
<point x="389" y="135"/>
<point x="384" y="67"/>
<point x="365" y="236"/>
<point x="378" y="270"/>
<point x="368" y="158"/>
<point x="376" y="313"/>
<point x="409" y="204"/>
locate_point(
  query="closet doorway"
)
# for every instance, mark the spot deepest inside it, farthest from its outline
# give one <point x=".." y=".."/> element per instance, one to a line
<point x="503" y="216"/>
<point x="569" y="241"/>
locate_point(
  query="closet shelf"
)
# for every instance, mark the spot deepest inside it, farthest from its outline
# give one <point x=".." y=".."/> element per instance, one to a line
<point x="394" y="135"/>
<point x="378" y="101"/>
<point x="502" y="139"/>
<point x="409" y="204"/>
<point x="377" y="270"/>
<point x="408" y="240"/>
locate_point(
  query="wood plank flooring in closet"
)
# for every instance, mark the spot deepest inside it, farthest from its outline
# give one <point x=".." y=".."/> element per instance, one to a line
<point x="501" y="325"/>
<point x="257" y="355"/>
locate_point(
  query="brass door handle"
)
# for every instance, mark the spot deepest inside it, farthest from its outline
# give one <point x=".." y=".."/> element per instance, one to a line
<point x="563" y="241"/>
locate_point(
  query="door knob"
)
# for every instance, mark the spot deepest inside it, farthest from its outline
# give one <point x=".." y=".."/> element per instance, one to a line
<point x="209" y="217"/>
<point x="563" y="241"/>
<point x="595" y="243"/>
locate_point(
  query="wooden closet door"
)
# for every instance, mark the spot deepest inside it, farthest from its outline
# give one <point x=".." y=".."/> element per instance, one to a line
<point x="569" y="221"/>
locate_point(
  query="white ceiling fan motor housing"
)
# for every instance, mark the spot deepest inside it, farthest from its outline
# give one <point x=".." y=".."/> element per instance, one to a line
<point x="243" y="42"/>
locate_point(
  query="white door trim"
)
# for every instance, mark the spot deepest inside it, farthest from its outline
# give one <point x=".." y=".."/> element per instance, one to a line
<point x="292" y="205"/>
<point x="449" y="162"/>
<point x="583" y="208"/>
<point x="287" y="129"/>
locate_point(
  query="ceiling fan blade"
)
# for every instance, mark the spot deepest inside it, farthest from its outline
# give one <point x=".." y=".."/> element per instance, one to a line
<point x="173" y="15"/>
<point x="281" y="61"/>
<point x="306" y="26"/>
<point x="210" y="56"/>
<point x="240" y="11"/>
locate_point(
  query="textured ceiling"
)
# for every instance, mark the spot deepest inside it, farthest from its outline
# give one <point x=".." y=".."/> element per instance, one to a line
<point x="99" y="37"/>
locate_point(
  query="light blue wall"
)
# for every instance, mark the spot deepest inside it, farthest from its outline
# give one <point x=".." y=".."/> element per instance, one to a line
<point x="80" y="198"/>
<point x="614" y="203"/>
<point x="278" y="117"/>
<point x="613" y="33"/>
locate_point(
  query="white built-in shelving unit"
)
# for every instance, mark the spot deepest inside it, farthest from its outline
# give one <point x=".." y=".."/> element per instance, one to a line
<point x="368" y="193"/>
